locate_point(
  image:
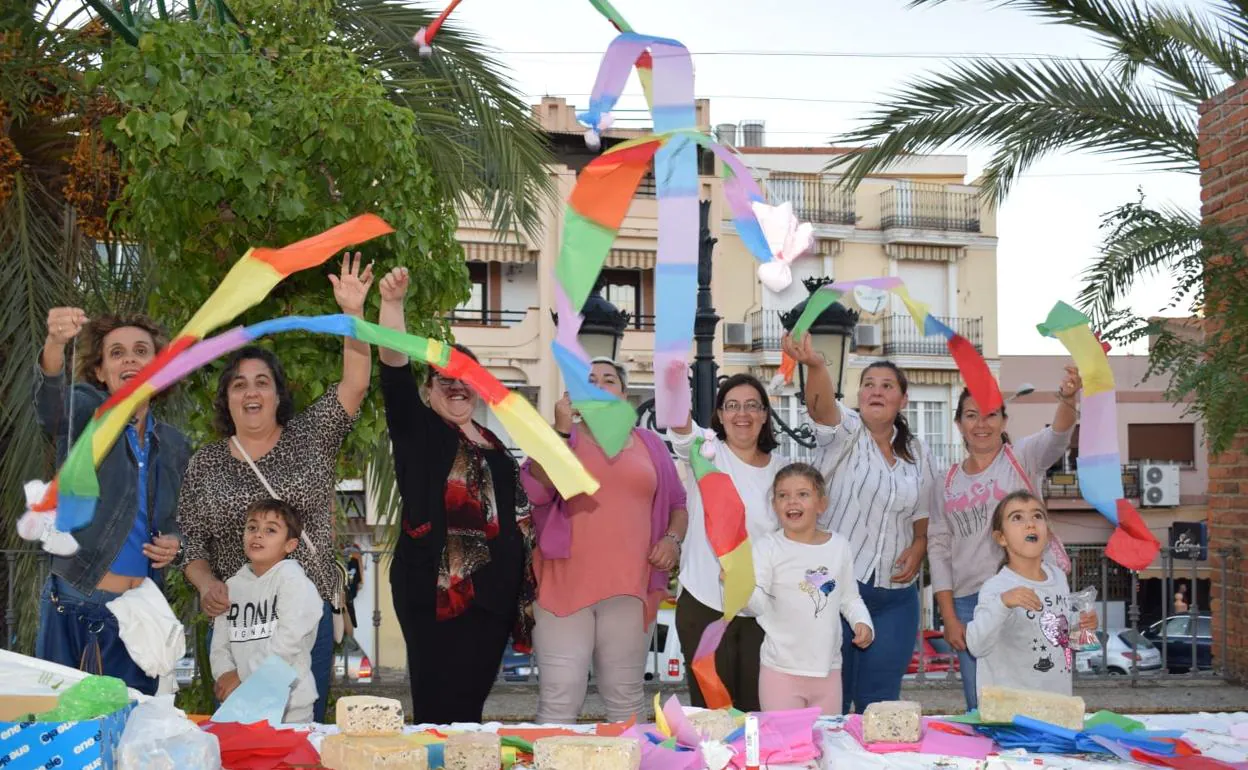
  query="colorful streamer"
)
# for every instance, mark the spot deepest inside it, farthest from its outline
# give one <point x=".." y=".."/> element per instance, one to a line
<point x="724" y="515"/>
<point x="676" y="176"/>
<point x="519" y="418"/>
<point x="972" y="366"/>
<point x="423" y="39"/>
<point x="644" y="63"/>
<point x="74" y="492"/>
<point x="1100" y="462"/>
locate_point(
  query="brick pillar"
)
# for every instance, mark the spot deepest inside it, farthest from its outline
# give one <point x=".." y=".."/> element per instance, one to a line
<point x="1224" y="198"/>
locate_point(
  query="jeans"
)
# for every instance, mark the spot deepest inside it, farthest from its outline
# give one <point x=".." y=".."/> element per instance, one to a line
<point x="322" y="661"/>
<point x="79" y="631"/>
<point x="964" y="608"/>
<point x="874" y="674"/>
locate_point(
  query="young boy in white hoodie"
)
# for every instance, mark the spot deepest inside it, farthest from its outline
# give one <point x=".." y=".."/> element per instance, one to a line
<point x="274" y="610"/>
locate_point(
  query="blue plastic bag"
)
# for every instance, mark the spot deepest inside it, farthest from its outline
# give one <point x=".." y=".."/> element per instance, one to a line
<point x="262" y="696"/>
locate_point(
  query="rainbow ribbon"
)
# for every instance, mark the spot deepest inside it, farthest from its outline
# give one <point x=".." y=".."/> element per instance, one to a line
<point x="1100" y="461"/>
<point x="595" y="211"/>
<point x="74" y="492"/>
<point x="519" y="418"/>
<point x="972" y="366"/>
<point x="724" y="516"/>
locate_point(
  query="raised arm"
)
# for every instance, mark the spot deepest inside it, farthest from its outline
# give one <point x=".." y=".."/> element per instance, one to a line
<point x="64" y="323"/>
<point x="820" y="392"/>
<point x="350" y="291"/>
<point x="1066" y="415"/>
<point x="393" y="292"/>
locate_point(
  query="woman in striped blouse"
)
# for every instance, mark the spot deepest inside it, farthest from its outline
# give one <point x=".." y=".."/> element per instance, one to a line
<point x="882" y="485"/>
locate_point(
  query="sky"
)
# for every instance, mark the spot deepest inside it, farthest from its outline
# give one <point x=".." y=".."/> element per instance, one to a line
<point x="1049" y="228"/>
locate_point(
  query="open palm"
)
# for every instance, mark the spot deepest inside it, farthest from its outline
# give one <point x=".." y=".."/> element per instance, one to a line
<point x="351" y="285"/>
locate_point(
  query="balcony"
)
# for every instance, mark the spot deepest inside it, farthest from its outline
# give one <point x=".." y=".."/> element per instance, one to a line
<point x="497" y="318"/>
<point x="814" y="200"/>
<point x="929" y="207"/>
<point x="765" y="330"/>
<point x="902" y="337"/>
<point x="1064" y="485"/>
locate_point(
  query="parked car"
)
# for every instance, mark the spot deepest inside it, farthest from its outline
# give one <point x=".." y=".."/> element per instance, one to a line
<point x="939" y="656"/>
<point x="518" y="666"/>
<point x="1177" y="644"/>
<point x="1121" y="649"/>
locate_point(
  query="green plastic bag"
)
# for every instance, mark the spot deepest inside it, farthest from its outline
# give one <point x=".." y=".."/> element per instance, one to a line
<point x="93" y="697"/>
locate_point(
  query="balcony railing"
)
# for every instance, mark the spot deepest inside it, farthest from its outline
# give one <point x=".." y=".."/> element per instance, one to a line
<point x="929" y="208"/>
<point x="641" y="322"/>
<point x="1064" y="485"/>
<point x="765" y="330"/>
<point x="486" y="317"/>
<point x="902" y="337"/>
<point x="814" y="200"/>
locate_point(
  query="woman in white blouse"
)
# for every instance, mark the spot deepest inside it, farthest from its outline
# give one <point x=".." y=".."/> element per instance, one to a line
<point x="745" y="449"/>
<point x="882" y="485"/>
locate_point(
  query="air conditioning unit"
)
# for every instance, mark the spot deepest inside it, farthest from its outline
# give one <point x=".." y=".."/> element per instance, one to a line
<point x="736" y="335"/>
<point x="868" y="335"/>
<point x="1159" y="485"/>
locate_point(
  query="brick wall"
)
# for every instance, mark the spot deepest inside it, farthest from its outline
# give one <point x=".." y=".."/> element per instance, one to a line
<point x="1224" y="198"/>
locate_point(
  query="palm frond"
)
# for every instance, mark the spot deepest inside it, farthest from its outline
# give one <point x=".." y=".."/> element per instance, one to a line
<point x="1024" y="110"/>
<point x="1140" y="242"/>
<point x="484" y="146"/>
<point x="1218" y="46"/>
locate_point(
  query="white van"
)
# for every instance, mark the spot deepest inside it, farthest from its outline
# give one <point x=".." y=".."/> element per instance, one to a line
<point x="664" y="661"/>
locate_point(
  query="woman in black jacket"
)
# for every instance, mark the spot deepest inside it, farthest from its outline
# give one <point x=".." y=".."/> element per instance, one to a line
<point x="460" y="573"/>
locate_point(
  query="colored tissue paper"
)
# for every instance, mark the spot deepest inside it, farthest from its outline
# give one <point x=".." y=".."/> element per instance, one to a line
<point x="261" y="697"/>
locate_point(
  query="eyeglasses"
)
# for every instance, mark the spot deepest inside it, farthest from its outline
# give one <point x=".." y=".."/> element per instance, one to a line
<point x="749" y="407"/>
<point x="446" y="383"/>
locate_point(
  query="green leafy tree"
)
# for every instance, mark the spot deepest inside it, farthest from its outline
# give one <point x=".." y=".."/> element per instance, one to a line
<point x="1142" y="108"/>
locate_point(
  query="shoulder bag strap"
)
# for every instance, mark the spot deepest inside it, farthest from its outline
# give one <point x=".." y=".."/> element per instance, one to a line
<point x="268" y="488"/>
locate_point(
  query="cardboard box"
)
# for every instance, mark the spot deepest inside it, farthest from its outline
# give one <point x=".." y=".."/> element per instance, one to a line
<point x="86" y="745"/>
<point x="17" y="708"/>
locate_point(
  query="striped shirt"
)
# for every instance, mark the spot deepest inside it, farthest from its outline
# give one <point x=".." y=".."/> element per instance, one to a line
<point x="871" y="504"/>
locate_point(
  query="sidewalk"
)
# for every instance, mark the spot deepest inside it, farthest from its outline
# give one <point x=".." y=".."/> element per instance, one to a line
<point x="518" y="702"/>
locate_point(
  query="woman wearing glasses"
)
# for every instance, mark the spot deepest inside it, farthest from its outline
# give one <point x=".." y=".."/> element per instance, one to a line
<point x="744" y="448"/>
<point x="602" y="563"/>
<point x="459" y="574"/>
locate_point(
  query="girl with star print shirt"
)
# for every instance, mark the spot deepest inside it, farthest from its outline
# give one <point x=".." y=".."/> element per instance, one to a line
<point x="1022" y="629"/>
<point x="804" y="585"/>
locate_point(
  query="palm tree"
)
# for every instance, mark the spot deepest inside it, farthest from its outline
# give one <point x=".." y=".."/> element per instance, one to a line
<point x="1142" y="108"/>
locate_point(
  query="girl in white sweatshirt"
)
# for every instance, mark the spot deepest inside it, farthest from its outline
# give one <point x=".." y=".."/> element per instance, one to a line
<point x="274" y="610"/>
<point x="805" y="584"/>
<point x="1021" y="631"/>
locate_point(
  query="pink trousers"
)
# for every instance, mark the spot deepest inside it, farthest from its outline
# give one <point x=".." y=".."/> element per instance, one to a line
<point x="778" y="691"/>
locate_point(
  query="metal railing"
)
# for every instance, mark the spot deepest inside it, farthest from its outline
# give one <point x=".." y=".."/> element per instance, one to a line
<point x="814" y="200"/>
<point x="929" y="207"/>
<point x="902" y="337"/>
<point x="1064" y="485"/>
<point x="486" y="317"/>
<point x="641" y="322"/>
<point x="765" y="330"/>
<point x="1176" y="651"/>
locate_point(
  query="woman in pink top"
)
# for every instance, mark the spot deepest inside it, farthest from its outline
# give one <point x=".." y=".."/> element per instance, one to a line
<point x="602" y="564"/>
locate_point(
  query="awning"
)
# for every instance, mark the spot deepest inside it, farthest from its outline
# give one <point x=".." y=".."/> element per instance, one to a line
<point x="933" y="376"/>
<point x="924" y="253"/>
<point x="634" y="259"/>
<point x="489" y="251"/>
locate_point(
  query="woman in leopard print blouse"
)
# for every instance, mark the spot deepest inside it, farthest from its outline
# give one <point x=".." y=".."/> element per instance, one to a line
<point x="297" y="457"/>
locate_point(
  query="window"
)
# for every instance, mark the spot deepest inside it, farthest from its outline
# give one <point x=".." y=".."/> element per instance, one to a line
<point x="648" y="187"/>
<point x="474" y="308"/>
<point x="1176" y="627"/>
<point x="1204" y="627"/>
<point x="622" y="288"/>
<point x="929" y="421"/>
<point x="1173" y="442"/>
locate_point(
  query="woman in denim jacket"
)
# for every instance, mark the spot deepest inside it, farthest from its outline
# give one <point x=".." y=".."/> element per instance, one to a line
<point x="134" y="533"/>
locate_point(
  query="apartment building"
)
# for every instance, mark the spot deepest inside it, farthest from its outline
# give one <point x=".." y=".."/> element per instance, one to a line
<point x="917" y="220"/>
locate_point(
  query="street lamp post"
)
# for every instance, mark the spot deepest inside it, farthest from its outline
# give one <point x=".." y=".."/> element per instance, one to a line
<point x="602" y="328"/>
<point x="831" y="335"/>
<point x="705" y="369"/>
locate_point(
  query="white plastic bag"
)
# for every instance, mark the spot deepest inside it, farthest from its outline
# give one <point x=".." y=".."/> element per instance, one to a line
<point x="158" y="736"/>
<point x="1085" y="601"/>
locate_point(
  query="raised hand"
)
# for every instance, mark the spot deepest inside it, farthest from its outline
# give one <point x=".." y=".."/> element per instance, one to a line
<point x="64" y="323"/>
<point x="802" y="352"/>
<point x="394" y="285"/>
<point x="351" y="286"/>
